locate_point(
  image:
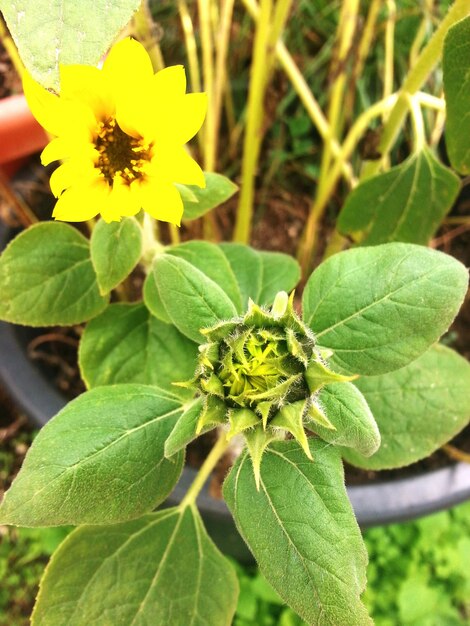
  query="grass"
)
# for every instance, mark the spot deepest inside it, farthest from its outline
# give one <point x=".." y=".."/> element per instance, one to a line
<point x="418" y="575"/>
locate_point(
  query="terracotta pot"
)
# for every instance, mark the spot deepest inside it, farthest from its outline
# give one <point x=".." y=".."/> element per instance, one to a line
<point x="20" y="134"/>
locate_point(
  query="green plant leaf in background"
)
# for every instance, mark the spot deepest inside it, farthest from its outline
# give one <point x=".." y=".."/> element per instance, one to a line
<point x="100" y="460"/>
<point x="218" y="189"/>
<point x="160" y="569"/>
<point x="349" y="413"/>
<point x="456" y="67"/>
<point x="379" y="308"/>
<point x="261" y="274"/>
<point x="190" y="299"/>
<point x="47" y="278"/>
<point x="127" y="344"/>
<point x="309" y="547"/>
<point x="407" y="203"/>
<point x="49" y="33"/>
<point x="418" y="408"/>
<point x="210" y="260"/>
<point x="115" y="250"/>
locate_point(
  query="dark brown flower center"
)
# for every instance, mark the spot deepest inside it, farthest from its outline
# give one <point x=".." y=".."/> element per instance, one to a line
<point x="119" y="153"/>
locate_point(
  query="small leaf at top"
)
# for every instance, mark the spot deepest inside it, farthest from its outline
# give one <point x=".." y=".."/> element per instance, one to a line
<point x="301" y="529"/>
<point x="260" y="274"/>
<point x="379" y="308"/>
<point x="191" y="299"/>
<point x="127" y="344"/>
<point x="210" y="260"/>
<point x="162" y="569"/>
<point x="115" y="250"/>
<point x="218" y="190"/>
<point x="47" y="278"/>
<point x="456" y="67"/>
<point x="407" y="203"/>
<point x="418" y="408"/>
<point x="100" y="460"/>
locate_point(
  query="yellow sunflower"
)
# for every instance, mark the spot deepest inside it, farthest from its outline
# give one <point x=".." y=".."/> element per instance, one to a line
<point x="120" y="132"/>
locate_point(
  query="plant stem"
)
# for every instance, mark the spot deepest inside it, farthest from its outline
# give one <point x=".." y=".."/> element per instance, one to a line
<point x="416" y="77"/>
<point x="191" y="47"/>
<point x="417" y="123"/>
<point x="270" y="24"/>
<point x="346" y="28"/>
<point x="19" y="207"/>
<point x="211" y="461"/>
<point x="11" y="48"/>
<point x="143" y="24"/>
<point x="321" y="201"/>
<point x="174" y="234"/>
<point x="253" y="131"/>
<point x="362" y="53"/>
<point x="208" y="73"/>
<point x="221" y="82"/>
<point x="303" y="91"/>
<point x="421" y="32"/>
<point x="456" y="454"/>
<point x="389" y="48"/>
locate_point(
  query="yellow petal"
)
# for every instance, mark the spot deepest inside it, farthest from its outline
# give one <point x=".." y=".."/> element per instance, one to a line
<point x="88" y="85"/>
<point x="162" y="201"/>
<point x="44" y="105"/>
<point x="72" y="172"/>
<point x="175" y="165"/>
<point x="180" y="122"/>
<point x="171" y="80"/>
<point x="123" y="200"/>
<point x="57" y="149"/>
<point x="127" y="67"/>
<point x="81" y="203"/>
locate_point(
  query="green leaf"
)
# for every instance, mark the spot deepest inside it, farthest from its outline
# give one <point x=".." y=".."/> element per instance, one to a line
<point x="247" y="266"/>
<point x="185" y="429"/>
<point x="379" y="308"/>
<point x="47" y="278"/>
<point x="191" y="300"/>
<point x="126" y="343"/>
<point x="162" y="569"/>
<point x="407" y="203"/>
<point x="456" y="66"/>
<point x="211" y="261"/>
<point x="301" y="528"/>
<point x="100" y="460"/>
<point x="348" y="411"/>
<point x="115" y="250"/>
<point x="418" y="408"/>
<point x="261" y="275"/>
<point x="218" y="190"/>
<point x="280" y="272"/>
<point x="73" y="33"/>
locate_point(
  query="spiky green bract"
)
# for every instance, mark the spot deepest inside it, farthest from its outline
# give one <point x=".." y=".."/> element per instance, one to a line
<point x="260" y="374"/>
